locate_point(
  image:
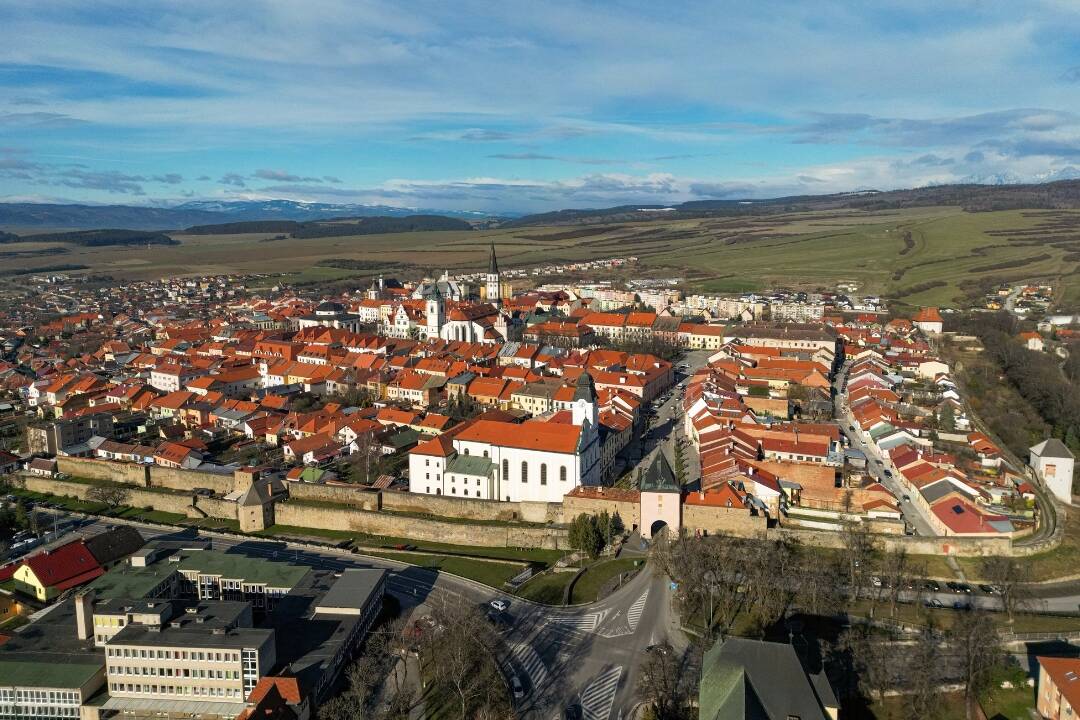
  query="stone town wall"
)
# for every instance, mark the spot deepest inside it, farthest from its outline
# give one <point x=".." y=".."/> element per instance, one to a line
<point x="960" y="546"/>
<point x="629" y="512"/>
<point x="187" y="480"/>
<point x="299" y="514"/>
<point x="722" y="521"/>
<point x="342" y="494"/>
<point x="96" y="469"/>
<point x="166" y="502"/>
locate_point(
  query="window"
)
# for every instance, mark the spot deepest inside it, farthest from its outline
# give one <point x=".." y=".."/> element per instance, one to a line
<point x="506" y="470"/>
<point x="524" y="471"/>
<point x="562" y="474"/>
<point x="466" y="451"/>
<point x="485" y="453"/>
<point x="543" y="473"/>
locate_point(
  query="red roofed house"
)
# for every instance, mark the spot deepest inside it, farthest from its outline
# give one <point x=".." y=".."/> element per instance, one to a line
<point x="49" y="573"/>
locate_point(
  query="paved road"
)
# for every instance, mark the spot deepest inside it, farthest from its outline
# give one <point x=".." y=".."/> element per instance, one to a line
<point x="913" y="513"/>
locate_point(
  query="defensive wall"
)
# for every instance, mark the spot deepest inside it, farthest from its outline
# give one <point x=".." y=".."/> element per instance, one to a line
<point x="482" y="522"/>
<point x="300" y="514"/>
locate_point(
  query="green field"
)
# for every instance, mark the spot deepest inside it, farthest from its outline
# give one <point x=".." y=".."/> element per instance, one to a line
<point x="925" y="255"/>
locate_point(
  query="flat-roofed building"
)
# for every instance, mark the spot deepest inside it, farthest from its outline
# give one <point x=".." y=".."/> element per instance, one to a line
<point x="207" y="658"/>
<point x="210" y="575"/>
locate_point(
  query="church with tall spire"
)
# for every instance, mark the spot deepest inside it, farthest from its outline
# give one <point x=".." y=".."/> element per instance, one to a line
<point x="493" y="283"/>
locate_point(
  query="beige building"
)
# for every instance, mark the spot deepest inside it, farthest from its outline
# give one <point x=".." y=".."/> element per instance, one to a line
<point x="1059" y="688"/>
<point x="209" y="654"/>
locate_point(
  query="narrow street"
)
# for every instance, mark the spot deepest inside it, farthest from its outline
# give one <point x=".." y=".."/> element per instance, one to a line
<point x="914" y="514"/>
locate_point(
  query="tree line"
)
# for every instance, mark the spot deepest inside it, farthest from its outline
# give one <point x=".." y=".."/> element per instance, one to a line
<point x="1050" y="389"/>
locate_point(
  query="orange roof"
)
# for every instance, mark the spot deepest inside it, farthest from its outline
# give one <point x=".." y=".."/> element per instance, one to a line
<point x="533" y="435"/>
<point x="927" y="314"/>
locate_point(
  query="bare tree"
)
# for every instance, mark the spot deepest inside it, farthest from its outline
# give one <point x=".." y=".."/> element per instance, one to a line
<point x="113" y="496"/>
<point x="859" y="552"/>
<point x="463" y="658"/>
<point x="1010" y="577"/>
<point x="895" y="574"/>
<point x="873" y="660"/>
<point x="706" y="572"/>
<point x="659" y="685"/>
<point x="921" y="669"/>
<point x="976" y="647"/>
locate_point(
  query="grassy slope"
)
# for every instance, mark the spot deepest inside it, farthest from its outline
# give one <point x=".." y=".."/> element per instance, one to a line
<point x="716" y="254"/>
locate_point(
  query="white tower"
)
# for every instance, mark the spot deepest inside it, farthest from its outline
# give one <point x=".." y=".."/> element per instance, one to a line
<point x="435" y="311"/>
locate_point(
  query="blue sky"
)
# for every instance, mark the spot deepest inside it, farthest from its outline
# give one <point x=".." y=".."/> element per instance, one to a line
<point x="529" y="106"/>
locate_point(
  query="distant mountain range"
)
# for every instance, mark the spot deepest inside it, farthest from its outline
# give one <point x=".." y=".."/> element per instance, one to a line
<point x="1059" y="190"/>
<point x="199" y="212"/>
<point x="993" y="193"/>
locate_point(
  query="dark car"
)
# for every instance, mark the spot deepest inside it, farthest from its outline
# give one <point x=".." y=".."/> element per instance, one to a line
<point x="573" y="712"/>
<point x="988" y="589"/>
<point x="963" y="587"/>
<point x="932" y="586"/>
<point x="954" y="586"/>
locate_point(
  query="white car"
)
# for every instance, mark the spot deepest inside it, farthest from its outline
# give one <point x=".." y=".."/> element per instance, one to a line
<point x="499" y="605"/>
<point x="515" y="685"/>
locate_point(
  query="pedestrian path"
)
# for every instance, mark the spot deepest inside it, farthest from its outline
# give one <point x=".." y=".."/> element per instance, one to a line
<point x="598" y="697"/>
<point x="531" y="663"/>
<point x="633" y="615"/>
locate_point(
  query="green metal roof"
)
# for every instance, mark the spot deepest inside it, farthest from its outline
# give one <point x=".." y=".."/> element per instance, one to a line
<point x="241" y="567"/>
<point x="125" y="581"/>
<point x="48" y="672"/>
<point x="469" y="465"/>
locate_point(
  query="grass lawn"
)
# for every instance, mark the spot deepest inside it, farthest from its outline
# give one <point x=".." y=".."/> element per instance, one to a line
<point x="1059" y="562"/>
<point x="1009" y="704"/>
<point x="589" y="584"/>
<point x="951" y="707"/>
<point x="549" y="588"/>
<point x="494" y="574"/>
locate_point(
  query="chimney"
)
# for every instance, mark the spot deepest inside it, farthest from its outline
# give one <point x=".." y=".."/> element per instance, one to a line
<point x="84" y="614"/>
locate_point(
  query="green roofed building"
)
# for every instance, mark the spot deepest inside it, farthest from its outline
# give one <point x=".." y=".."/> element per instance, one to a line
<point x="137" y="583"/>
<point x="744" y="679"/>
<point x="44" y="685"/>
<point x="213" y="575"/>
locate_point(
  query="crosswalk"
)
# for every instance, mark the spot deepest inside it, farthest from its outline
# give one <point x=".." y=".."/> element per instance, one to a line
<point x="599" y="696"/>
<point x="535" y="670"/>
<point x="633" y="615"/>
<point x="586" y="623"/>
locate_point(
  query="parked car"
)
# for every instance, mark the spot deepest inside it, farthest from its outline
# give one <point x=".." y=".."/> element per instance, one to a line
<point x="515" y="685"/>
<point x="988" y="589"/>
<point x="953" y="585"/>
<point x="932" y="586"/>
<point x="963" y="587"/>
<point x="499" y="605"/>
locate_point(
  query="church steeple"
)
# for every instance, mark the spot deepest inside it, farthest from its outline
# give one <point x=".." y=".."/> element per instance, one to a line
<point x="493" y="286"/>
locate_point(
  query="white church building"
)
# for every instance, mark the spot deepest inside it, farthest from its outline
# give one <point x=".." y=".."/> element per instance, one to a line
<point x="534" y="461"/>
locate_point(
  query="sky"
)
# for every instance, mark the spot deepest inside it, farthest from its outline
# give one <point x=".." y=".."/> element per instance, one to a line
<point x="529" y="106"/>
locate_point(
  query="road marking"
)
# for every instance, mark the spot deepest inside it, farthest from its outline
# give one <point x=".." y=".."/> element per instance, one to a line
<point x="599" y="696"/>
<point x="587" y="623"/>
<point x="633" y="615"/>
<point x="524" y="655"/>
